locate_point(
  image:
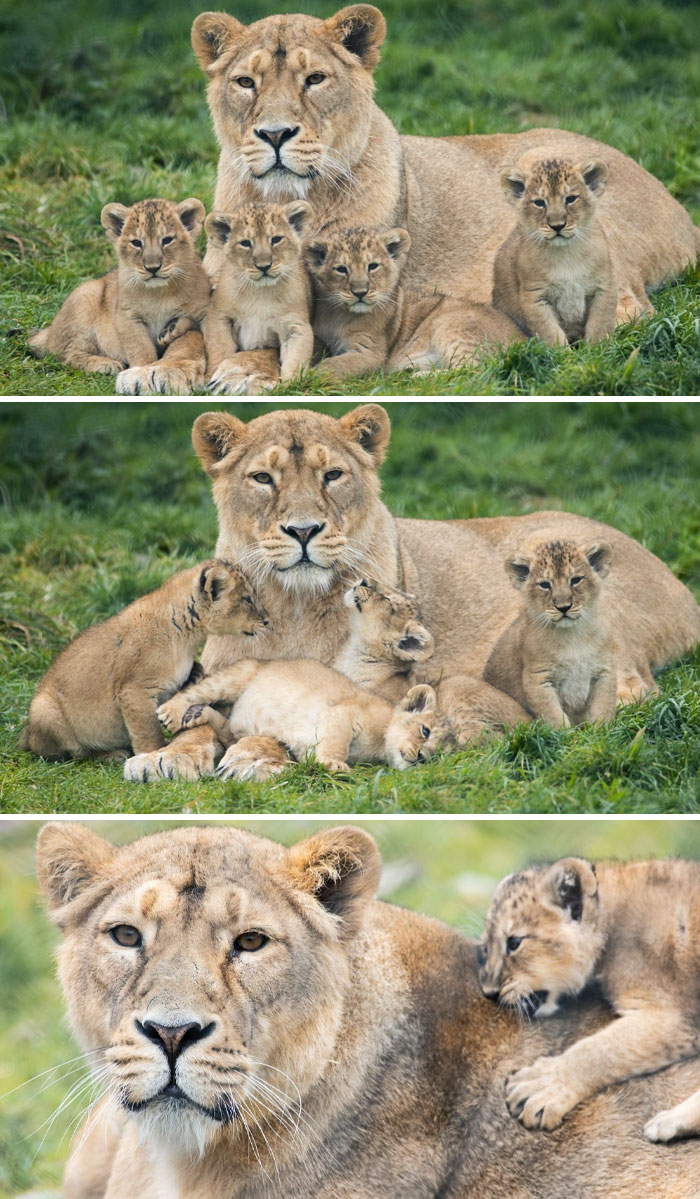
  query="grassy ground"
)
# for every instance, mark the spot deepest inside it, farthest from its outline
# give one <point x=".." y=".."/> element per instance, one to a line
<point x="104" y="501"/>
<point x="446" y="869"/>
<point x="105" y="101"/>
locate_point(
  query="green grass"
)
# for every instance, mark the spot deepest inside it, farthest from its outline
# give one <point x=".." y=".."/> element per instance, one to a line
<point x="444" y="868"/>
<point x="105" y="102"/>
<point x="102" y="502"/>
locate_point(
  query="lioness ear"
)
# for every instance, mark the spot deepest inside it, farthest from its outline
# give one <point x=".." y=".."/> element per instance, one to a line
<point x="69" y="860"/>
<point x="595" y="176"/>
<point x="370" y="427"/>
<point x="214" y="435"/>
<point x="513" y="184"/>
<point x="397" y="242"/>
<point x="517" y="569"/>
<point x="599" y="555"/>
<point x="213" y="33"/>
<point x="218" y="227"/>
<point x="192" y="213"/>
<point x="298" y="213"/>
<point x="315" y="254"/>
<point x="215" y="578"/>
<point x="361" y="29"/>
<point x="112" y="218"/>
<point x="340" y="868"/>
<point x="570" y="882"/>
<point x="419" y="699"/>
<point x="415" y="644"/>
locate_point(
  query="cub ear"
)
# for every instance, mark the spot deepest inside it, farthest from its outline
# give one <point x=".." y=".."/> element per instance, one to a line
<point x="113" y="217"/>
<point x="595" y="176"/>
<point x="571" y="882"/>
<point x="340" y="868"/>
<point x="70" y="859"/>
<point x="415" y="644"/>
<point x="361" y="29"/>
<point x="298" y="213"/>
<point x="419" y="699"/>
<point x="315" y="254"/>
<point x="213" y="34"/>
<point x="192" y="213"/>
<point x="218" y="227"/>
<point x="370" y="427"/>
<point x="513" y="184"/>
<point x="214" y="436"/>
<point x="599" y="556"/>
<point x="215" y="578"/>
<point x="397" y="242"/>
<point x="517" y="569"/>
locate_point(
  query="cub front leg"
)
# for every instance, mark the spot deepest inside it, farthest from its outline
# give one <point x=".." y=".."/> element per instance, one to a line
<point x="296" y="348"/>
<point x="602" y="315"/>
<point x="680" y="1121"/>
<point x="602" y="698"/>
<point x="224" y="685"/>
<point x="174" y="329"/>
<point x="138" y="710"/>
<point x="137" y="343"/>
<point x="368" y="355"/>
<point x="219" y="340"/>
<point x="542" y="322"/>
<point x="542" y="700"/>
<point x="335" y="733"/>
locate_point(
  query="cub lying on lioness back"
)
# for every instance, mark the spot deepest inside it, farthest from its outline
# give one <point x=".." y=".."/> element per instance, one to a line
<point x="263" y="295"/>
<point x="557" y="658"/>
<point x="387" y="639"/>
<point x="159" y="291"/>
<point x="631" y="927"/>
<point x="553" y="274"/>
<point x="102" y="691"/>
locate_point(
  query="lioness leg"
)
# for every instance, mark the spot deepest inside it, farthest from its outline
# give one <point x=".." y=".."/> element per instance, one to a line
<point x="680" y="1121"/>
<point x="191" y="755"/>
<point x="253" y="759"/>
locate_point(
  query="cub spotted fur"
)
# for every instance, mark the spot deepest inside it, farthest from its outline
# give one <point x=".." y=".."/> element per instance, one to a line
<point x="557" y="657"/>
<point x="367" y="320"/>
<point x="102" y="691"/>
<point x="631" y="927"/>
<point x="387" y="639"/>
<point x="309" y="707"/>
<point x="159" y="291"/>
<point x="263" y="295"/>
<point x="553" y="274"/>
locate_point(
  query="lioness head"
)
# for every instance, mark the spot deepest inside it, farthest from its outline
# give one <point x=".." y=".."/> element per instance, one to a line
<point x="230" y="603"/>
<point x="556" y="198"/>
<point x="388" y="622"/>
<point x="154" y="238"/>
<point x="297" y="492"/>
<point x="290" y="96"/>
<point x="358" y="269"/>
<point x="560" y="580"/>
<point x="262" y="241"/>
<point x="408" y="737"/>
<point x="205" y="969"/>
<point x="542" y="936"/>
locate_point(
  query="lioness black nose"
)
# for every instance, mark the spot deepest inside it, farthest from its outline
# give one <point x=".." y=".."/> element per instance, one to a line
<point x="276" y="137"/>
<point x="172" y="1039"/>
<point x="302" y="533"/>
<point x="562" y="607"/>
<point x="557" y="226"/>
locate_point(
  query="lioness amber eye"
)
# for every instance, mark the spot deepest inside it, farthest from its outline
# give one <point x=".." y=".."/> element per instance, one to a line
<point x="245" y="243"/>
<point x="275" y="241"/>
<point x="245" y="81"/>
<point x="570" y="199"/>
<point x="545" y="586"/>
<point x="512" y="944"/>
<point x="373" y="266"/>
<point x="317" y="77"/>
<point x="342" y="270"/>
<point x="126" y="936"/>
<point x="135" y="242"/>
<point x="576" y="579"/>
<point x="540" y="203"/>
<point x="250" y="942"/>
<point x="166" y="241"/>
<point x="425" y="731"/>
<point x="330" y="475"/>
<point x="262" y="477"/>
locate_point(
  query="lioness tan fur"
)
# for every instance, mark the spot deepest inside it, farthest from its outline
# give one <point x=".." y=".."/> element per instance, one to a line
<point x="291" y="98"/>
<point x="368" y="321"/>
<point x="297" y="494"/>
<point x="557" y="659"/>
<point x="553" y="274"/>
<point x="263" y="295"/>
<point x="351" y="1054"/>
<point x="158" y="292"/>
<point x="102" y="691"/>
<point x="633" y="928"/>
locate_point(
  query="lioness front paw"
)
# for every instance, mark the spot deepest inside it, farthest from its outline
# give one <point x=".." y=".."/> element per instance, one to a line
<point x="234" y="379"/>
<point x="539" y="1096"/>
<point x="251" y="760"/>
<point x="172" y="763"/>
<point x="159" y="378"/>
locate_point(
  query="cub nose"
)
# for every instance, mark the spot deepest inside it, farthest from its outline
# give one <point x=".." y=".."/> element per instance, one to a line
<point x="490" y="992"/>
<point x="302" y="533"/>
<point x="276" y="137"/>
<point x="172" y="1039"/>
<point x="153" y="269"/>
<point x="360" y="293"/>
<point x="263" y="266"/>
<point x="562" y="607"/>
<point x="557" y="226"/>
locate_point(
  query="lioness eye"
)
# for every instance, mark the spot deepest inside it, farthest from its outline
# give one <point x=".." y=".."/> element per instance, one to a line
<point x="545" y="586"/>
<point x="425" y="731"/>
<point x="275" y="241"/>
<point x="262" y="476"/>
<point x="540" y="203"/>
<point x="249" y="942"/>
<point x="576" y="579"/>
<point x="126" y="936"/>
<point x="135" y="242"/>
<point x="512" y="944"/>
<point x="570" y="199"/>
<point x="330" y="475"/>
<point x="245" y="81"/>
<point x="342" y="270"/>
<point x="317" y="77"/>
<point x="373" y="266"/>
<point x="245" y="243"/>
<point x="165" y="241"/>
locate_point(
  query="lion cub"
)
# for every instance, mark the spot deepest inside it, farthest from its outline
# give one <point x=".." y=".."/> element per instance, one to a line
<point x="159" y="291"/>
<point x="387" y="638"/>
<point x="557" y="657"/>
<point x="102" y="691"/>
<point x="367" y="320"/>
<point x="631" y="927"/>
<point x="553" y="274"/>
<point x="263" y="296"/>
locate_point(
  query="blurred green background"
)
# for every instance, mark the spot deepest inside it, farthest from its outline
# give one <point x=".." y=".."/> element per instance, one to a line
<point x="445" y="868"/>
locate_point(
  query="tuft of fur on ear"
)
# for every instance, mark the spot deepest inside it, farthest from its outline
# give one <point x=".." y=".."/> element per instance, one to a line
<point x="419" y="699"/>
<point x="69" y="860"/>
<point x="113" y="217"/>
<point x="214" y="436"/>
<point x="517" y="569"/>
<point x="218" y="227"/>
<point x="213" y="34"/>
<point x="361" y="29"/>
<point x="415" y="644"/>
<point x="571" y="882"/>
<point x="315" y="254"/>
<point x="595" y="175"/>
<point x="513" y="184"/>
<point x="370" y="427"/>
<point x="215" y="578"/>
<point x="340" y="868"/>
<point x="298" y="213"/>
<point x="192" y="213"/>
<point x="397" y="242"/>
<point x="599" y="555"/>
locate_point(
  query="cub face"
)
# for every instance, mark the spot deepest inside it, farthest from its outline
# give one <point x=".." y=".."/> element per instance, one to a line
<point x="560" y="581"/>
<point x="262" y="242"/>
<point x="408" y="734"/>
<point x="231" y="605"/>
<point x="154" y="238"/>
<point x="541" y="937"/>
<point x="556" y="198"/>
<point x="389" y="622"/>
<point x="358" y="269"/>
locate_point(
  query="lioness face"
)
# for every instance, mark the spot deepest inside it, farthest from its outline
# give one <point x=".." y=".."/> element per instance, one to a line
<point x="388" y="622"/>
<point x="358" y="269"/>
<point x="560" y="580"/>
<point x="204" y="969"/>
<point x="408" y="735"/>
<point x="290" y="96"/>
<point x="262" y="241"/>
<point x="556" y="199"/>
<point x="154" y="238"/>
<point x="296" y="492"/>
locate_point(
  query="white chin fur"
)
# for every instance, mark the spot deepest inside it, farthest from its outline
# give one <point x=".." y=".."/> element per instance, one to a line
<point x="306" y="579"/>
<point x="174" y="1127"/>
<point x="157" y="282"/>
<point x="280" y="185"/>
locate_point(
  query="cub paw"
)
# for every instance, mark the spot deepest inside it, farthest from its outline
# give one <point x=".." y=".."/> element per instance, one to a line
<point x="193" y="715"/>
<point x="335" y="764"/>
<point x="680" y="1121"/>
<point x="172" y="330"/>
<point x="538" y="1096"/>
<point x="104" y="366"/>
<point x="170" y="714"/>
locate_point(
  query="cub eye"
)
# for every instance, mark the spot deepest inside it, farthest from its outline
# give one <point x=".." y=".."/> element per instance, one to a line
<point x="570" y="199"/>
<point x="165" y="241"/>
<point x="540" y="203"/>
<point x="545" y="586"/>
<point x="316" y="77"/>
<point x="330" y="475"/>
<point x="373" y="266"/>
<point x="275" y="241"/>
<point x="246" y="243"/>
<point x="425" y="731"/>
<point x="127" y="936"/>
<point x="262" y="476"/>
<point x="245" y="81"/>
<point x="250" y="942"/>
<point x="247" y="600"/>
<point x="576" y="579"/>
<point x="136" y="242"/>
<point x="342" y="270"/>
<point x="512" y="944"/>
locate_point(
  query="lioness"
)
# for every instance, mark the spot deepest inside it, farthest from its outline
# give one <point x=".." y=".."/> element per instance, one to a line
<point x="263" y="1028"/>
<point x="291" y="98"/>
<point x="633" y="928"/>
<point x="298" y="499"/>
